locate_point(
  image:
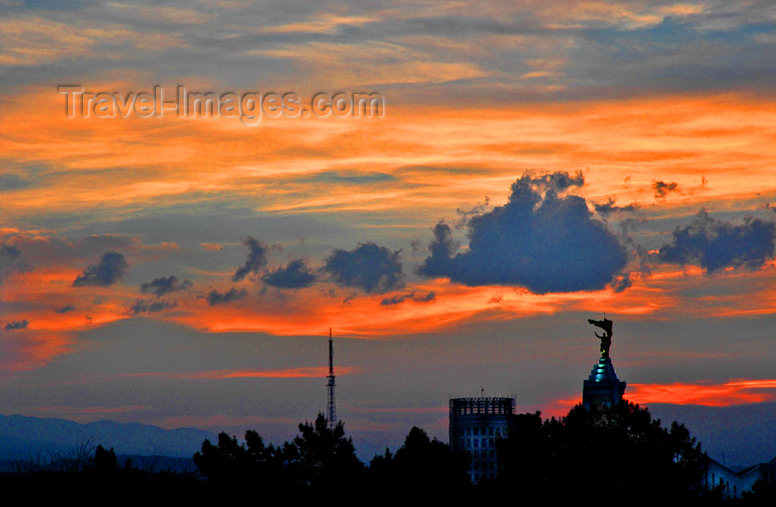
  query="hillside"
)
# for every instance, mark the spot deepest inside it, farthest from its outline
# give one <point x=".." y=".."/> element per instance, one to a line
<point x="23" y="437"/>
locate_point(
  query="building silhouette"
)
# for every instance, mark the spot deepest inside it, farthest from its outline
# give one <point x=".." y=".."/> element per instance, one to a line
<point x="735" y="484"/>
<point x="475" y="424"/>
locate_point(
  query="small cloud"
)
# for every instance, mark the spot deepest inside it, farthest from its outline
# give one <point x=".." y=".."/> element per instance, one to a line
<point x="466" y="214"/>
<point x="142" y="306"/>
<point x="111" y="268"/>
<point x="9" y="251"/>
<point x="295" y="275"/>
<point x="65" y="309"/>
<point x="257" y="259"/>
<point x="164" y="285"/>
<point x="609" y="208"/>
<point x="559" y="181"/>
<point x="8" y="257"/>
<point x="347" y="177"/>
<point x="167" y="246"/>
<point x="621" y="282"/>
<point x="216" y="298"/>
<point x="400" y="298"/>
<point x="431" y="296"/>
<point x="17" y="324"/>
<point x="369" y="267"/>
<point x="395" y="300"/>
<point x="662" y="189"/>
<point x="211" y="246"/>
<point x="10" y="182"/>
<point x="715" y="244"/>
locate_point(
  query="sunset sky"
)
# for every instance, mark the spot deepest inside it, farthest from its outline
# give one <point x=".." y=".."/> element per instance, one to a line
<point x="536" y="165"/>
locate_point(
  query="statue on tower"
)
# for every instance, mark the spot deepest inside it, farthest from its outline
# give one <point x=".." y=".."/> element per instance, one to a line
<point x="603" y="387"/>
<point x="606" y="338"/>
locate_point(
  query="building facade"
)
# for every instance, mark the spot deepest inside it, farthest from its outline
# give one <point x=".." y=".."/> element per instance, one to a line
<point x="475" y="424"/>
<point x="735" y="484"/>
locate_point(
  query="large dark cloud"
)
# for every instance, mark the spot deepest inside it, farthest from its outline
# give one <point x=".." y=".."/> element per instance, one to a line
<point x="539" y="239"/>
<point x="257" y="259"/>
<point x="164" y="285"/>
<point x="111" y="268"/>
<point x="369" y="267"/>
<point x="217" y="298"/>
<point x="295" y="275"/>
<point x="715" y="244"/>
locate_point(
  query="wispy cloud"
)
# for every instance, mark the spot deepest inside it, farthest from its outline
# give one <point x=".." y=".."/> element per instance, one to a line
<point x="733" y="392"/>
<point x="300" y="372"/>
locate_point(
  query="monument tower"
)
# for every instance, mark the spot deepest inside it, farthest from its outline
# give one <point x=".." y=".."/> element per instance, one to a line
<point x="603" y="387"/>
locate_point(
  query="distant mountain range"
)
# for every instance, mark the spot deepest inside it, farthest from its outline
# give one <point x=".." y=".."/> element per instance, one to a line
<point x="30" y="437"/>
<point x="737" y="436"/>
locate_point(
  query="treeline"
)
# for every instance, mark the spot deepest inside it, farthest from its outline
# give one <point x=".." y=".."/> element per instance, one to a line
<point x="605" y="455"/>
<point x="322" y="460"/>
<point x="95" y="473"/>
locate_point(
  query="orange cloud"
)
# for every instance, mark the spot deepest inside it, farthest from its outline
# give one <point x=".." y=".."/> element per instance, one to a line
<point x="734" y="392"/>
<point x="429" y="160"/>
<point x="723" y="140"/>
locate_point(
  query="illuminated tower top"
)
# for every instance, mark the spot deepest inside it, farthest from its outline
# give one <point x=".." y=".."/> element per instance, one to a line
<point x="603" y="387"/>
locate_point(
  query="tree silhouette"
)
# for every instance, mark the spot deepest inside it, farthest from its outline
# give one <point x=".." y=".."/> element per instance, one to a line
<point x="523" y="457"/>
<point x="763" y="493"/>
<point x="105" y="461"/>
<point x="230" y="462"/>
<point x="224" y="461"/>
<point x="421" y="466"/>
<point x="322" y="457"/>
<point x="612" y="450"/>
<point x="319" y="457"/>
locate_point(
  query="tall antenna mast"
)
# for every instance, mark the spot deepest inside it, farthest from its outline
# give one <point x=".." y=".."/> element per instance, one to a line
<point x="332" y="410"/>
